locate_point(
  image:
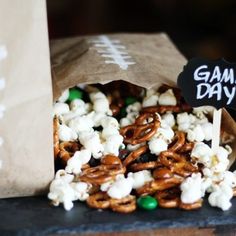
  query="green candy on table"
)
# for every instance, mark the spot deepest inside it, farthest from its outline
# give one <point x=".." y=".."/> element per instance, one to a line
<point x="147" y="203"/>
<point x="75" y="93"/>
<point x="130" y="100"/>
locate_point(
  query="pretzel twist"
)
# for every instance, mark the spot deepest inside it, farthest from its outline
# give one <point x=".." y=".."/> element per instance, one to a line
<point x="124" y="205"/>
<point x="103" y="173"/>
<point x="101" y="200"/>
<point x="159" y="184"/>
<point x="134" y="155"/>
<point x="177" y="163"/>
<point x="168" y="198"/>
<point x="142" y="130"/>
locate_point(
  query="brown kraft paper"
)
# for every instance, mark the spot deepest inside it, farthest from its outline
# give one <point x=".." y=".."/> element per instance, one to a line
<point x="153" y="60"/>
<point x="26" y="127"/>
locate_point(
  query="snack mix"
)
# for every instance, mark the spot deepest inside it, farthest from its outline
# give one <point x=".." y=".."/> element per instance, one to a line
<point x="119" y="146"/>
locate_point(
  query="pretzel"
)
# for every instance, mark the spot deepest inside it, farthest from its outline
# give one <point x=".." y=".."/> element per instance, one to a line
<point x="56" y="136"/>
<point x="168" y="198"/>
<point x="110" y="160"/>
<point x="99" y="200"/>
<point x="177" y="163"/>
<point x="178" y="141"/>
<point x="186" y="148"/>
<point x="144" y="166"/>
<point x="104" y="172"/>
<point x="67" y="150"/>
<point x="162" y="173"/>
<point x="134" y="155"/>
<point x="124" y="205"/>
<point x="141" y="130"/>
<point x="192" y="206"/>
<point x="159" y="184"/>
<point x="163" y="109"/>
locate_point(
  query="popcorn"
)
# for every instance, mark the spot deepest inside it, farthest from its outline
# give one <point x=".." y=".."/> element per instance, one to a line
<point x="191" y="189"/>
<point x="150" y="101"/>
<point x="100" y="103"/>
<point x="81" y="190"/>
<point x="196" y="134"/>
<point x="164" y="132"/>
<point x="91" y="141"/>
<point x="96" y="118"/>
<point x="113" y="144"/>
<point x="109" y="122"/>
<point x="140" y="178"/>
<point x="79" y="107"/>
<point x="61" y="191"/>
<point x="207" y="129"/>
<point x="134" y="108"/>
<point x="66" y="134"/>
<point x="169" y="119"/>
<point x="167" y="98"/>
<point x="221" y="197"/>
<point x="157" y="145"/>
<point x="75" y="163"/>
<point x="60" y="108"/>
<point x="125" y="121"/>
<point x="109" y="131"/>
<point x="81" y="124"/>
<point x="121" y="188"/>
<point x="183" y="121"/>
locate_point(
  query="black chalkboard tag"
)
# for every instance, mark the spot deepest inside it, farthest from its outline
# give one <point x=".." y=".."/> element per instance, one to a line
<point x="206" y="82"/>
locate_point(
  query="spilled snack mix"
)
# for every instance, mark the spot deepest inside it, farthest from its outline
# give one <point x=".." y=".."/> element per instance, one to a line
<point x="119" y="146"/>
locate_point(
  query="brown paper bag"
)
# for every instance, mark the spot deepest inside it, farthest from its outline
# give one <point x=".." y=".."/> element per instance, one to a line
<point x="141" y="59"/>
<point x="26" y="127"/>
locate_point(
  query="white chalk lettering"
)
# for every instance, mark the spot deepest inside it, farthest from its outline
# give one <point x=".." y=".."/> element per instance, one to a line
<point x="201" y="75"/>
<point x="216" y="74"/>
<point x="229" y="95"/>
<point x="202" y="90"/>
<point x="216" y="89"/>
<point x="228" y="76"/>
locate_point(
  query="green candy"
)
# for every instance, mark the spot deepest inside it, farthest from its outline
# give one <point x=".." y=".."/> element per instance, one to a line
<point x="147" y="203"/>
<point x="75" y="93"/>
<point x="130" y="100"/>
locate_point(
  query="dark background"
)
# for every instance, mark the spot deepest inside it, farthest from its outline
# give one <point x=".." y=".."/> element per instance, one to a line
<point x="205" y="28"/>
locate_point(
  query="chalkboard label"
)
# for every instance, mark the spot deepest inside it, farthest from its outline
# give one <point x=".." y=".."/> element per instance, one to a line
<point x="205" y="82"/>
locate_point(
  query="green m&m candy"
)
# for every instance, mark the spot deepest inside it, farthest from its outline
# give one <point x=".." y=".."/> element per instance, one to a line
<point x="74" y="93"/>
<point x="130" y="100"/>
<point x="147" y="203"/>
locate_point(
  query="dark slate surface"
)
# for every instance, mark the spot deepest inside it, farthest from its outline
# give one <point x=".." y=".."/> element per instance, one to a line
<point x="34" y="216"/>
